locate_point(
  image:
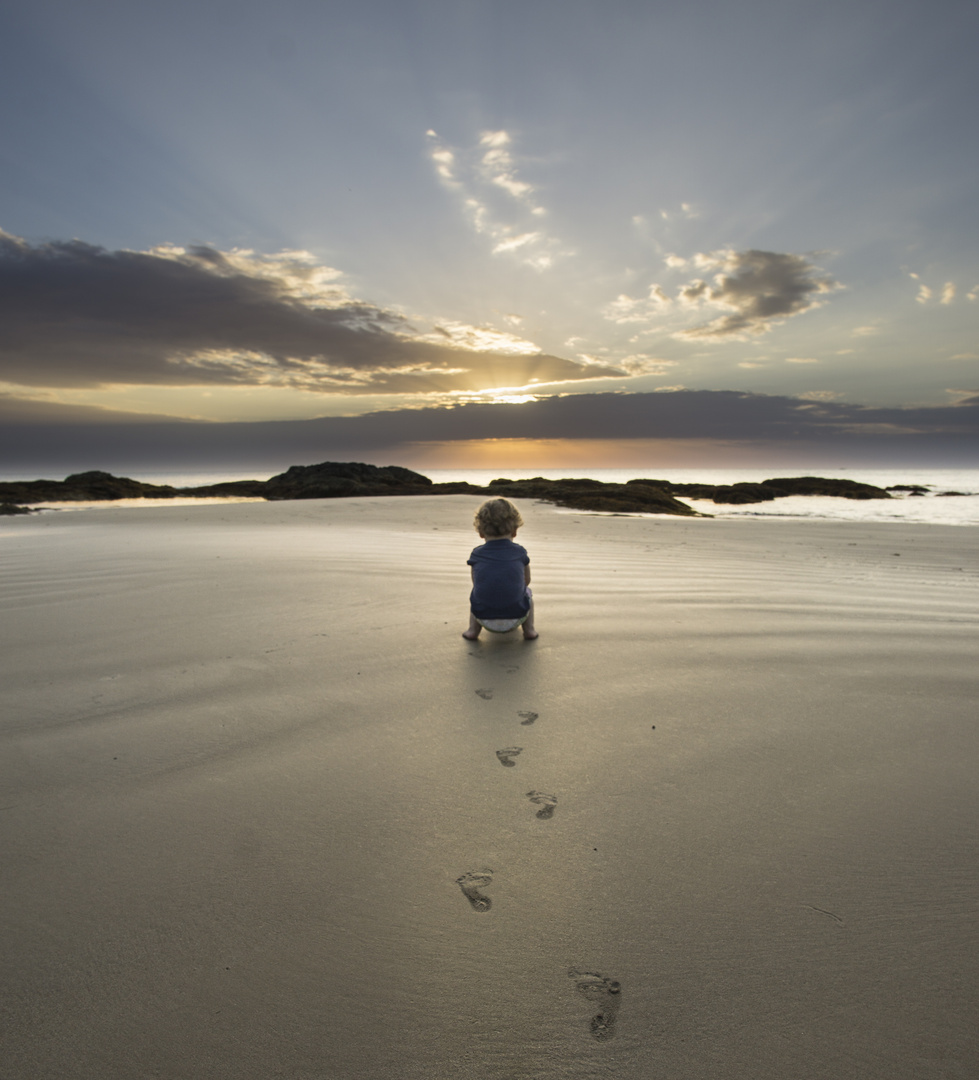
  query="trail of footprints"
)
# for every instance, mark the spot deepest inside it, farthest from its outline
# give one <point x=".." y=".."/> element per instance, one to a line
<point x="602" y="991"/>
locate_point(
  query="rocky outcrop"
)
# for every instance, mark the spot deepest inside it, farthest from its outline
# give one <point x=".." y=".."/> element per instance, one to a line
<point x="326" y="481"/>
<point x="332" y="480"/>
<point x="336" y="480"/>
<point x="779" y="488"/>
<point x="636" y="497"/>
<point x="83" y="487"/>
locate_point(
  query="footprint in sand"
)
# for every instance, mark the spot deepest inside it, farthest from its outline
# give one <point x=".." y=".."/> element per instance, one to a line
<point x="486" y="693"/>
<point x="528" y="717"/>
<point x="606" y="991"/>
<point x="471" y="883"/>
<point x="545" y="802"/>
<point x="507" y="754"/>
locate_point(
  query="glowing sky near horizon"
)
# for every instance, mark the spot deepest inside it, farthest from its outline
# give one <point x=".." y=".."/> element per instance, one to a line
<point x="291" y="210"/>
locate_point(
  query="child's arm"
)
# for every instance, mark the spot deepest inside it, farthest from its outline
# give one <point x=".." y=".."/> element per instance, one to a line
<point x="526" y="574"/>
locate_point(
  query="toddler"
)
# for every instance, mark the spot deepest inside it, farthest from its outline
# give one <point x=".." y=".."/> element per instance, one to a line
<point x="501" y="599"/>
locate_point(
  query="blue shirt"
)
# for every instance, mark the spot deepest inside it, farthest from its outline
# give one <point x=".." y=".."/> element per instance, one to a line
<point x="499" y="587"/>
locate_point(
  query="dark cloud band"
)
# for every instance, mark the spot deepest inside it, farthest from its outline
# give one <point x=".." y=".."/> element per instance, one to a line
<point x="950" y="431"/>
<point x="76" y="315"/>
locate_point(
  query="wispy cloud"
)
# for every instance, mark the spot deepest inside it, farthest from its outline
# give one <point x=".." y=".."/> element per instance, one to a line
<point x="687" y="212"/>
<point x="499" y="205"/>
<point x="820" y="395"/>
<point x="926" y="293"/>
<point x="627" y="309"/>
<point x="77" y="316"/>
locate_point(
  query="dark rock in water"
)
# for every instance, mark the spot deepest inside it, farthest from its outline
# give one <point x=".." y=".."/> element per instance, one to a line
<point x="84" y="487"/>
<point x="962" y="494"/>
<point x="456" y="487"/>
<point x="325" y="481"/>
<point x="767" y="490"/>
<point x="819" y="485"/>
<point x="782" y="487"/>
<point x="587" y="494"/>
<point x="911" y="489"/>
<point x="229" y="489"/>
<point x="331" y="480"/>
<point x="741" y="494"/>
<point x="9" y="509"/>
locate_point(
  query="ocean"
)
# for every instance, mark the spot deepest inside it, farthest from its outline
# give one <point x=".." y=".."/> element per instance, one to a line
<point x="935" y="507"/>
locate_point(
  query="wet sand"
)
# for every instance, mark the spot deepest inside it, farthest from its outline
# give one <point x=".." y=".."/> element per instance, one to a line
<point x="264" y="813"/>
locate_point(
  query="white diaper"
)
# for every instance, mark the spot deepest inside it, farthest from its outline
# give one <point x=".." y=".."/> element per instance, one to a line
<point x="501" y="626"/>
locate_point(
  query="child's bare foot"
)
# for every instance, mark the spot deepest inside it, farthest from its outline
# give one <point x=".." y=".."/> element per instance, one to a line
<point x="469" y="635"/>
<point x="529" y="635"/>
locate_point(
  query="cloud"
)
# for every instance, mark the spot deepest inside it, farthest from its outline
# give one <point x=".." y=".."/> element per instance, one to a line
<point x="760" y="288"/>
<point x="693" y="292"/>
<point x="951" y="430"/>
<point x="926" y="294"/>
<point x="686" y="212"/>
<point x="637" y="364"/>
<point x="76" y="315"/>
<point x="499" y="204"/>
<point x="17" y="410"/>
<point x="801" y="360"/>
<point x="499" y="167"/>
<point x="820" y="395"/>
<point x="627" y="309"/>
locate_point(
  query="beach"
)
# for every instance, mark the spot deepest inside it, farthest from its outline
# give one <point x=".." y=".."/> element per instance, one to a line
<point x="252" y="803"/>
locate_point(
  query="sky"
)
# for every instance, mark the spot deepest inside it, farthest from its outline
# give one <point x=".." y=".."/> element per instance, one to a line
<point x="482" y="233"/>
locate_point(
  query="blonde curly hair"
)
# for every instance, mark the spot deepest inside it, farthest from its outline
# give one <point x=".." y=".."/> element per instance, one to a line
<point x="497" y="518"/>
